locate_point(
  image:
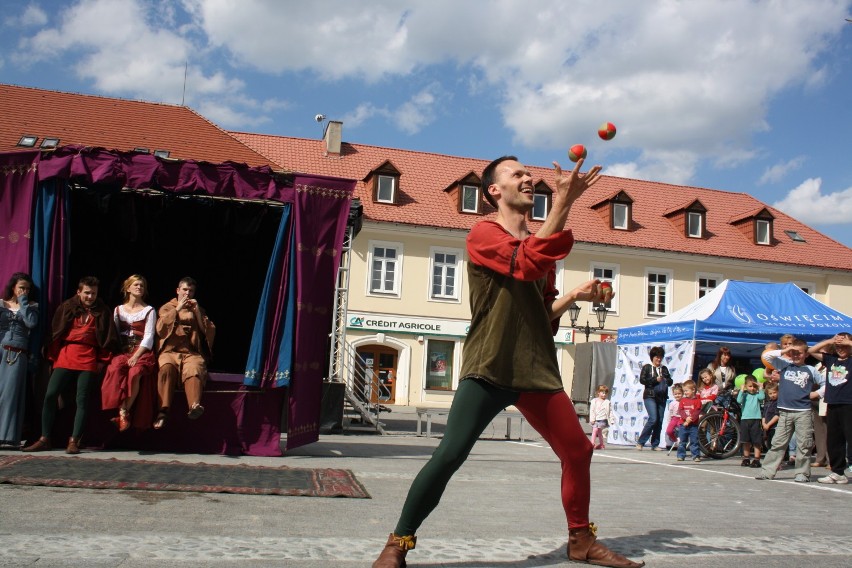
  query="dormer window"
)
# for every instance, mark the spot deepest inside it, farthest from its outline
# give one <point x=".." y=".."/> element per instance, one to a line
<point x="756" y="225"/>
<point x="620" y="216"/>
<point x="383" y="183"/>
<point x="385" y="189"/>
<point x="542" y="198"/>
<point x="763" y="231"/>
<point x="465" y="194"/>
<point x="616" y="210"/>
<point x="695" y="224"/>
<point x="470" y="199"/>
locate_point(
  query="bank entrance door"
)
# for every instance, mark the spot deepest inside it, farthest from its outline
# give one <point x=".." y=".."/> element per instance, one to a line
<point x="380" y="362"/>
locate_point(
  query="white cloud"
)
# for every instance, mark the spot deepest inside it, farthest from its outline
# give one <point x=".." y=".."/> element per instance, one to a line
<point x="32" y="16"/>
<point x="779" y="171"/>
<point x="671" y="167"/>
<point x="678" y="78"/>
<point x="409" y="117"/>
<point x="808" y="204"/>
<point x="136" y="49"/>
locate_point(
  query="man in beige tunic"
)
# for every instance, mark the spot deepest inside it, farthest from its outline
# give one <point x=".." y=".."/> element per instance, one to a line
<point x="184" y="341"/>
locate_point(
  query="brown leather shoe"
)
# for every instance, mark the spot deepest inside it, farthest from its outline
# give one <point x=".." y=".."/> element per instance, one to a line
<point x="40" y="445"/>
<point x="73" y="446"/>
<point x="393" y="554"/>
<point x="583" y="547"/>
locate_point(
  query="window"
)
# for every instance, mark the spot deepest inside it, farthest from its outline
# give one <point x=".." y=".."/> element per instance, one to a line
<point x="446" y="271"/>
<point x="707" y="283"/>
<point x="658" y="292"/>
<point x="808" y="288"/>
<point x="794" y="236"/>
<point x="439" y="364"/>
<point x="762" y="232"/>
<point x="694" y="225"/>
<point x="49" y="143"/>
<point x="606" y="273"/>
<point x="385" y="189"/>
<point x="27" y="141"/>
<point x="385" y="264"/>
<point x="470" y="199"/>
<point x="620" y="216"/>
<point x="540" y="206"/>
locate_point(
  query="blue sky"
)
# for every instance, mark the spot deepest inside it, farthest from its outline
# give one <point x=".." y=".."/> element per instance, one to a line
<point x="737" y="95"/>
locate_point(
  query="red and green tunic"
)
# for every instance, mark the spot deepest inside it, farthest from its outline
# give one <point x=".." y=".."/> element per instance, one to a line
<point x="512" y="285"/>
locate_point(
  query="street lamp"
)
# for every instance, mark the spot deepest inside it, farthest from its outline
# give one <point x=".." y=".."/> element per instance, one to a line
<point x="574" y="313"/>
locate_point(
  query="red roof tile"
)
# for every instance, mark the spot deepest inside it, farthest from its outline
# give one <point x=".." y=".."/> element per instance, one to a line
<point x="116" y="124"/>
<point x="425" y="177"/>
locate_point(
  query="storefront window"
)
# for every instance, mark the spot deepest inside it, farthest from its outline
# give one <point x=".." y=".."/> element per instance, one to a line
<point x="439" y="365"/>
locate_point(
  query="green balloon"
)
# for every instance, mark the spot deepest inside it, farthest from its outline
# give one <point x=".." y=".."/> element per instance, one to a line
<point x="739" y="381"/>
<point x="758" y="374"/>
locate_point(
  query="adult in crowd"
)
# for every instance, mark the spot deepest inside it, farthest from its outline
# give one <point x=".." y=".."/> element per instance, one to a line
<point x="17" y="317"/>
<point x="723" y="369"/>
<point x="656" y="379"/>
<point x="81" y="343"/>
<point x="185" y="342"/>
<point x="512" y="279"/>
<point x="838" y="396"/>
<point x="134" y="369"/>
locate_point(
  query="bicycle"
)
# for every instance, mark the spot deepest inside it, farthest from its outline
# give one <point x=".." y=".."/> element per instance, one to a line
<point x="719" y="429"/>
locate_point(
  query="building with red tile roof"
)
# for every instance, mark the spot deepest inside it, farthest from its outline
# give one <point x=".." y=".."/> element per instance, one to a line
<point x="65" y="119"/>
<point x="424" y="178"/>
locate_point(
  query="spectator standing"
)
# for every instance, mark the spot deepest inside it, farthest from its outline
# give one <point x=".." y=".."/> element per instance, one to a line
<point x="838" y="396"/>
<point x="656" y="378"/>
<point x="750" y="398"/>
<point x="795" y="391"/>
<point x="690" y="410"/>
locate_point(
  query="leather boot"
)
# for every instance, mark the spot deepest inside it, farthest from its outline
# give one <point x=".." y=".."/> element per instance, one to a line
<point x="583" y="547"/>
<point x="393" y="554"/>
<point x="40" y="445"/>
<point x="73" y="446"/>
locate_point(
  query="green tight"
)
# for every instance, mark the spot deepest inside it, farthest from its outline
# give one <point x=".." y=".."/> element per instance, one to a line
<point x="61" y="381"/>
<point x="474" y="407"/>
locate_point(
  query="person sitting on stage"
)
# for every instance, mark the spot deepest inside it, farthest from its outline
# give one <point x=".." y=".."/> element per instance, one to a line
<point x="82" y="341"/>
<point x="185" y="341"/>
<point x="135" y="367"/>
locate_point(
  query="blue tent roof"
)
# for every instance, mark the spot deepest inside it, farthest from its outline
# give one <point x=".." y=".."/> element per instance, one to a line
<point x="744" y="312"/>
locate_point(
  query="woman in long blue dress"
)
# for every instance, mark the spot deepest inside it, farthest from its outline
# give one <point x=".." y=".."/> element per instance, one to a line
<point x="17" y="317"/>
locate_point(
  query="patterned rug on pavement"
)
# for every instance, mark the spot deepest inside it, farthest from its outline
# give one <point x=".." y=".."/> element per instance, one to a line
<point x="89" y="473"/>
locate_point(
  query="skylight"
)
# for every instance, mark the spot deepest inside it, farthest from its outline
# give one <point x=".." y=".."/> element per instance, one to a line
<point x="27" y="141"/>
<point x="49" y="143"/>
<point x="795" y="236"/>
<point x="161" y="153"/>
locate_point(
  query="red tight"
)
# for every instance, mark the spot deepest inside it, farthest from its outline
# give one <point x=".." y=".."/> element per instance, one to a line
<point x="553" y="416"/>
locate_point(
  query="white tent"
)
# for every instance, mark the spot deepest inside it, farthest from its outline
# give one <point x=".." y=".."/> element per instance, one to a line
<point x="743" y="316"/>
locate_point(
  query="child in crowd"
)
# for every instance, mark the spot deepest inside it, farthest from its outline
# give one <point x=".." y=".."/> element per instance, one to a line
<point x="795" y="390"/>
<point x="751" y="432"/>
<point x="690" y="409"/>
<point x="708" y="390"/>
<point x="770" y="412"/>
<point x="600" y="416"/>
<point x="673" y="429"/>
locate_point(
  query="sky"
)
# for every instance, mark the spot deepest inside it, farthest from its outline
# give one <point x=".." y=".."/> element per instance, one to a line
<point x="736" y="95"/>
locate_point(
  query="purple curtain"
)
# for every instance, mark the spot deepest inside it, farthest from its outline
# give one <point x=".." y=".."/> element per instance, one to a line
<point x="321" y="212"/>
<point x="18" y="177"/>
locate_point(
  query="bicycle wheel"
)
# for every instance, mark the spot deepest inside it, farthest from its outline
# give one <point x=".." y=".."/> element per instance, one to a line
<point x="717" y="437"/>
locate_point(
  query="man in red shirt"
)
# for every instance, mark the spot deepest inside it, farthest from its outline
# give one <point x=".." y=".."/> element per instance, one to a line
<point x="82" y="341"/>
<point x="509" y="356"/>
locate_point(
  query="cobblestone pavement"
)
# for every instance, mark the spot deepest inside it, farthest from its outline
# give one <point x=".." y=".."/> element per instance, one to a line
<point x="502" y="510"/>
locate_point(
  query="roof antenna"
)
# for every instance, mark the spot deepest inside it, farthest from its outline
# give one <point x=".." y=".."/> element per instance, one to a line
<point x="320" y="118"/>
<point x="185" y="67"/>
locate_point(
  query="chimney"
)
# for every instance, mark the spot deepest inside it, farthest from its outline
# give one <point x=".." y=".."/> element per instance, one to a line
<point x="332" y="137"/>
